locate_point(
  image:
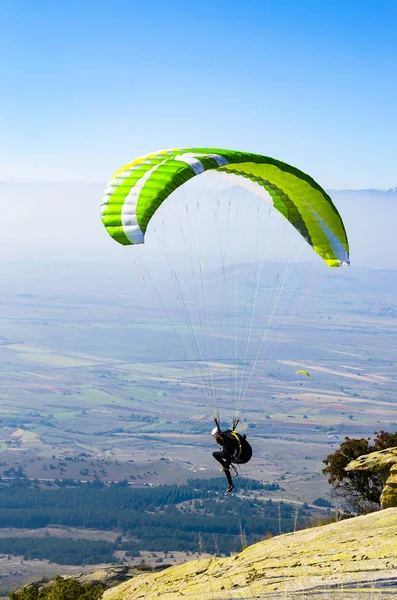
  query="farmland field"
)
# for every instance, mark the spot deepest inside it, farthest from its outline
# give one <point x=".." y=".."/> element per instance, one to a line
<point x="89" y="374"/>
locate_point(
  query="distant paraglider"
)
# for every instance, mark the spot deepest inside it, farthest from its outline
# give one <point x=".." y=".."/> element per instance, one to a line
<point x="333" y="435"/>
<point x="304" y="373"/>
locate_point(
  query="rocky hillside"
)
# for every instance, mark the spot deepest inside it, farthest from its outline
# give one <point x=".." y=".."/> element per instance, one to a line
<point x="323" y="561"/>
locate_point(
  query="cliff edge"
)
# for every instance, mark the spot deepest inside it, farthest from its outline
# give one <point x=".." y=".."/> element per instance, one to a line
<point x="360" y="552"/>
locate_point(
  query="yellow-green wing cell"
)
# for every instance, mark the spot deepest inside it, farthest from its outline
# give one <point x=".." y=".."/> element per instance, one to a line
<point x="135" y="192"/>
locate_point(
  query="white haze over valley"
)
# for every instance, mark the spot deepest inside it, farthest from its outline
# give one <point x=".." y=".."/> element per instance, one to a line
<point x="61" y="222"/>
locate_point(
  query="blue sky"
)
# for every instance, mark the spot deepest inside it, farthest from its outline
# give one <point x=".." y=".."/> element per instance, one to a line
<point x="90" y="85"/>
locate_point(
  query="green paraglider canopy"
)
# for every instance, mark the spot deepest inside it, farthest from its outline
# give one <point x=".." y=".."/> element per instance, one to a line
<point x="137" y="190"/>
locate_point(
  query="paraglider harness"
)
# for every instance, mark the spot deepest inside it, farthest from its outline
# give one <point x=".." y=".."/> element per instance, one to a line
<point x="243" y="451"/>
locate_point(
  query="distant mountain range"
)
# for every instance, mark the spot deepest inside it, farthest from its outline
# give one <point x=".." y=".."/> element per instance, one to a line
<point x="387" y="192"/>
<point x="390" y="192"/>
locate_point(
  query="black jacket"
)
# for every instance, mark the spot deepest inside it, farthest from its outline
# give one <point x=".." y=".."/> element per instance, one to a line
<point x="230" y="447"/>
<point x="238" y="451"/>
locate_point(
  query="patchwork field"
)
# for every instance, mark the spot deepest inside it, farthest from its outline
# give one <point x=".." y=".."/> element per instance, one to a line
<point x="94" y="384"/>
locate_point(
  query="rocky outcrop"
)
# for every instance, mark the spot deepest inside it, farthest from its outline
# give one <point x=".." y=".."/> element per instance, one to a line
<point x="383" y="462"/>
<point x="106" y="577"/>
<point x="389" y="493"/>
<point x="357" y="552"/>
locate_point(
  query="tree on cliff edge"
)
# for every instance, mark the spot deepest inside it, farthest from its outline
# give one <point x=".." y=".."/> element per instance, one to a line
<point x="358" y="490"/>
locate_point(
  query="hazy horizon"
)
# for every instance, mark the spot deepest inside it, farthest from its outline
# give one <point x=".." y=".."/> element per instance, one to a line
<point x="62" y="222"/>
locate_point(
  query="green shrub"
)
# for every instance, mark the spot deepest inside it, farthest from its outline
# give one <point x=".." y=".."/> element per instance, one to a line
<point x="62" y="589"/>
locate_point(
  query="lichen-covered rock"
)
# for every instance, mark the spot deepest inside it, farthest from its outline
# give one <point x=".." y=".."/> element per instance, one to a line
<point x="388" y="497"/>
<point x="108" y="577"/>
<point x="375" y="462"/>
<point x="383" y="462"/>
<point x="357" y="552"/>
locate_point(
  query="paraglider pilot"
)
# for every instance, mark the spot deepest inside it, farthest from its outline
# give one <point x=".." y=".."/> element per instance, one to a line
<point x="235" y="449"/>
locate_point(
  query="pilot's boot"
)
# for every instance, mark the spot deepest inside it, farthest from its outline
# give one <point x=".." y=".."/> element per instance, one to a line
<point x="229" y="480"/>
